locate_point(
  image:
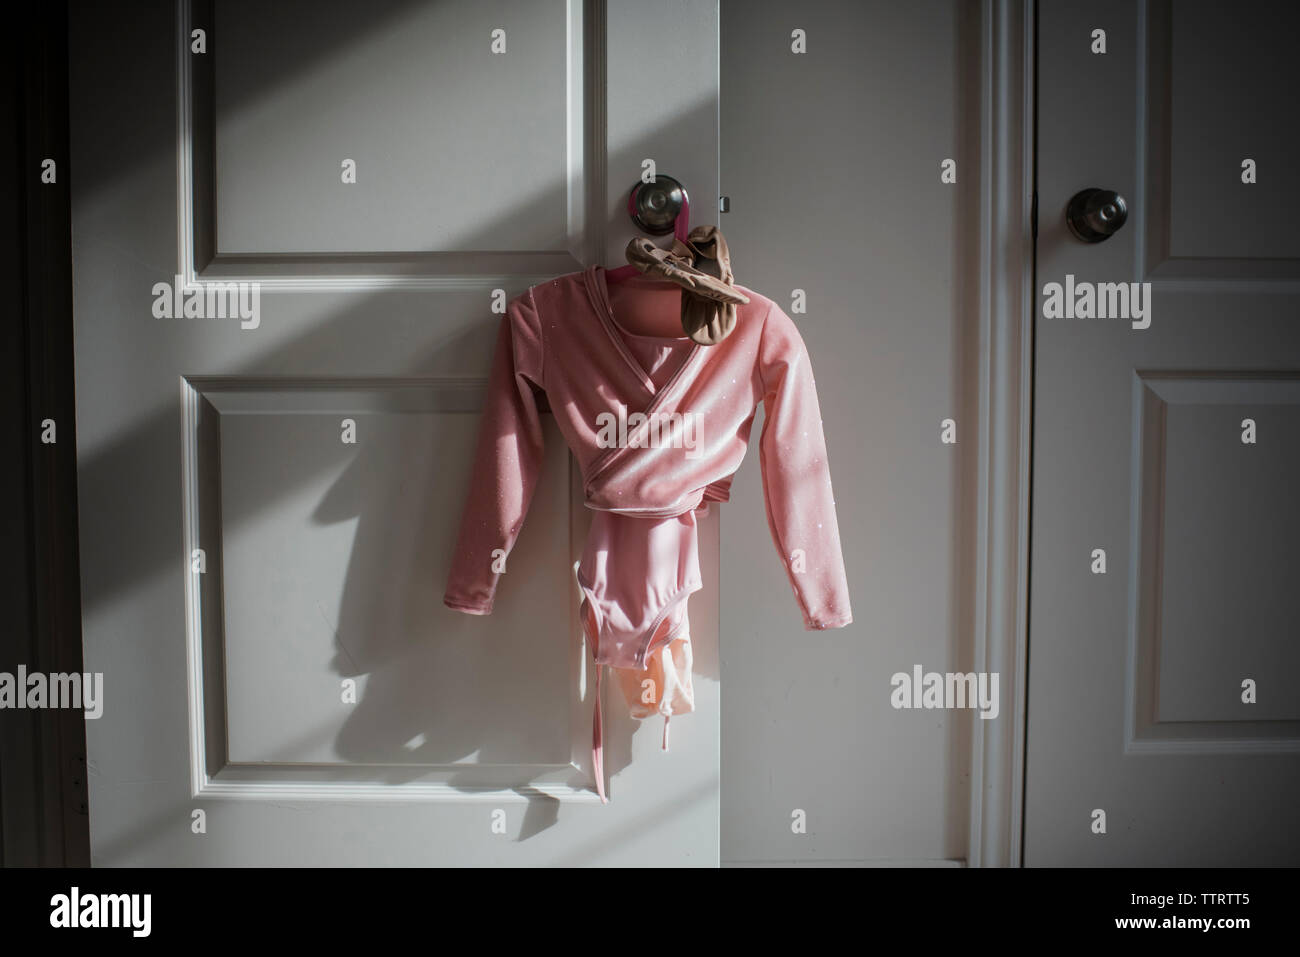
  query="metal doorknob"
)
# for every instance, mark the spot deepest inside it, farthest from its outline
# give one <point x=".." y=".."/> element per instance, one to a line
<point x="654" y="207"/>
<point x="1095" y="214"/>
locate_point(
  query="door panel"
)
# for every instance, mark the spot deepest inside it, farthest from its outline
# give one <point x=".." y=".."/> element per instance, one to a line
<point x="1138" y="675"/>
<point x="413" y="94"/>
<point x="268" y="507"/>
<point x="848" y="207"/>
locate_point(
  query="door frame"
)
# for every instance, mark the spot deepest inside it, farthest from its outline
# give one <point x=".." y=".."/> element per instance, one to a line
<point x="43" y="810"/>
<point x="1005" y="289"/>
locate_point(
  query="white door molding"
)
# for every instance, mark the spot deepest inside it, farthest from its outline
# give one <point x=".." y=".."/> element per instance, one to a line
<point x="1006" y="298"/>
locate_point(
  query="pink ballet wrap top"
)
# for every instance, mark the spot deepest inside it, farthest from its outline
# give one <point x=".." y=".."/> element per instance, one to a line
<point x="651" y="445"/>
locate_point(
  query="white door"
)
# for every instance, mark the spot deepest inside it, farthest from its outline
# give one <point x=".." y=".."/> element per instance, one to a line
<point x="268" y="505"/>
<point x="840" y="212"/>
<point x="1164" y="723"/>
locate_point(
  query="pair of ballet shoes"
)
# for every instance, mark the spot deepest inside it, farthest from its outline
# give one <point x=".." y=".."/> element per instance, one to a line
<point x="701" y="265"/>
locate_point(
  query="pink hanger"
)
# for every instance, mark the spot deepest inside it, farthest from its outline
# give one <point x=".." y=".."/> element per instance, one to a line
<point x="681" y="228"/>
